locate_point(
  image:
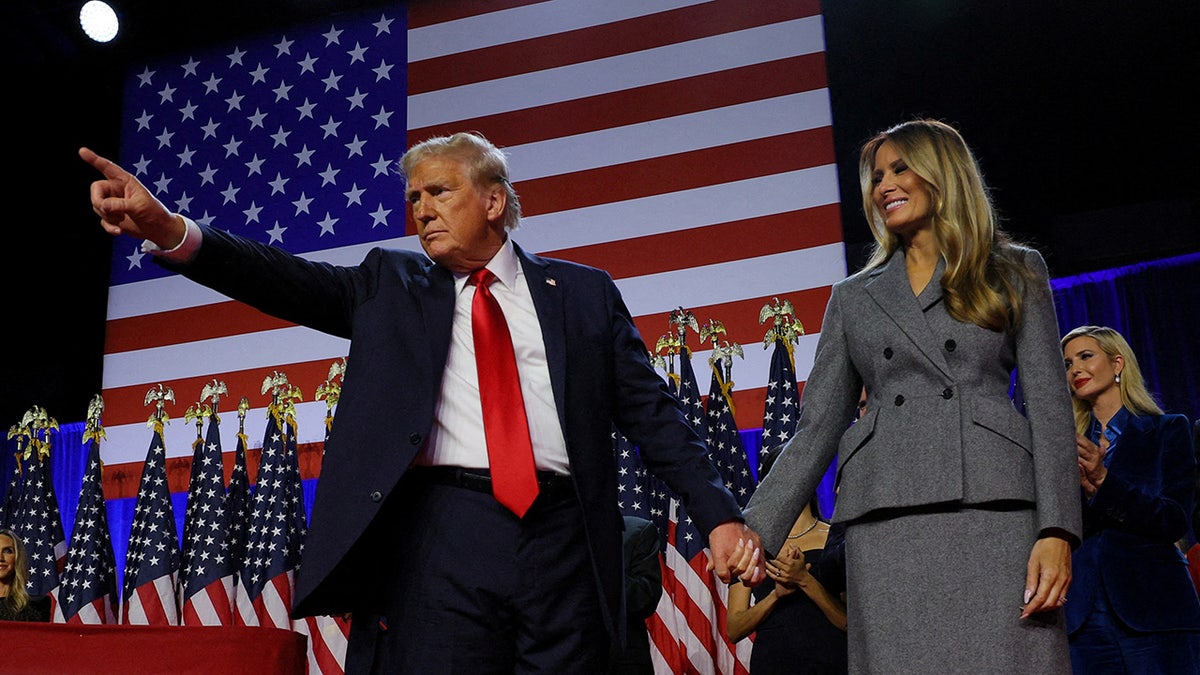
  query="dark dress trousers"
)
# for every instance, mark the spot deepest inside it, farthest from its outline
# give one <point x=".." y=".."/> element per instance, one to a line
<point x="396" y="308"/>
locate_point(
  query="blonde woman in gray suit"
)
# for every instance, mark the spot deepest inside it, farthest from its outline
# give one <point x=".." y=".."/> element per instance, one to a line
<point x="961" y="510"/>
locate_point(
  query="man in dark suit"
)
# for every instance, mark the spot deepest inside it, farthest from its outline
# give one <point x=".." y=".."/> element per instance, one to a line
<point x="406" y="533"/>
<point x="643" y="589"/>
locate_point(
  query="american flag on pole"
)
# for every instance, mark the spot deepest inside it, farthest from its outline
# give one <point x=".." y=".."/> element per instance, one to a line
<point x="12" y="495"/>
<point x="329" y="636"/>
<point x="206" y="579"/>
<point x="687" y="631"/>
<point x="277" y="520"/>
<point x="237" y="497"/>
<point x="633" y="490"/>
<point x="781" y="409"/>
<point x="724" y="441"/>
<point x="88" y="593"/>
<point x="38" y="520"/>
<point x="148" y="593"/>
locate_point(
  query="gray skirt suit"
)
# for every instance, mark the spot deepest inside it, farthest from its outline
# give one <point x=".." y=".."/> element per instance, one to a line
<point x="944" y="484"/>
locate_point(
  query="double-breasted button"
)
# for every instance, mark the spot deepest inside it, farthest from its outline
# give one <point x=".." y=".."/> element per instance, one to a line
<point x="947" y="393"/>
<point x="887" y="352"/>
<point x="951" y="345"/>
<point x="899" y="399"/>
<point x="376" y="496"/>
<point x="414" y="438"/>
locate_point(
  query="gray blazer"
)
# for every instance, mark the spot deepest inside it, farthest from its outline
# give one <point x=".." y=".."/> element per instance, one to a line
<point x="940" y="426"/>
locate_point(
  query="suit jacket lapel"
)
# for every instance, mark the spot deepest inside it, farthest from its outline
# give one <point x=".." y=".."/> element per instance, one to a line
<point x="890" y="289"/>
<point x="547" y="296"/>
<point x="1131" y="440"/>
<point x="437" y="305"/>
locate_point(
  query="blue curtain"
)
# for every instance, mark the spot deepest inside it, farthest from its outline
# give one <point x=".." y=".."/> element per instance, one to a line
<point x="1156" y="306"/>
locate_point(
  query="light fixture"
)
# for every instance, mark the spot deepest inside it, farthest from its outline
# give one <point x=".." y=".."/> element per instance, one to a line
<point x="99" y="21"/>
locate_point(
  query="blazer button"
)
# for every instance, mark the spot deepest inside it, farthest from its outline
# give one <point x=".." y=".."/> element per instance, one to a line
<point x="899" y="399"/>
<point x="951" y="345"/>
<point x="376" y="496"/>
<point x="887" y="353"/>
<point x="947" y="393"/>
<point x="414" y="438"/>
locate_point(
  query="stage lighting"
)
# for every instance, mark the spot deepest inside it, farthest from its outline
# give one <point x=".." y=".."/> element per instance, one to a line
<point x="99" y="21"/>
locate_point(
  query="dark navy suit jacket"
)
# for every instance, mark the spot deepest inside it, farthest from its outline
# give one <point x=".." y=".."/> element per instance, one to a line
<point x="396" y="309"/>
<point x="1130" y="529"/>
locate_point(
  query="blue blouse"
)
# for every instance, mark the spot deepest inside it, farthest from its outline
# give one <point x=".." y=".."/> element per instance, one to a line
<point x="1112" y="432"/>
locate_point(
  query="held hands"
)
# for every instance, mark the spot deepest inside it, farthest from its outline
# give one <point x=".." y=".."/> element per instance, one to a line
<point x="1047" y="575"/>
<point x="1092" y="471"/>
<point x="736" y="553"/>
<point x="125" y="206"/>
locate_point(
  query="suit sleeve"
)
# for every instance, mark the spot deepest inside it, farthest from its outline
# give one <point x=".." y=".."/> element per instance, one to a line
<point x="651" y="417"/>
<point x="1154" y="503"/>
<point x="1048" y="405"/>
<point x="830" y="394"/>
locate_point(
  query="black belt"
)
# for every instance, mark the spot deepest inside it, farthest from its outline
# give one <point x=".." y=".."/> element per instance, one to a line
<point x="551" y="486"/>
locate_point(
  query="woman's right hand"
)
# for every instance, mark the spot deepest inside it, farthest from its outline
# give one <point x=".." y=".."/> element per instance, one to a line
<point x="1092" y="471"/>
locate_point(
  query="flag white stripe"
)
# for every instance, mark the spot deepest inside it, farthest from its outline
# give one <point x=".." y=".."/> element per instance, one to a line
<point x="777" y="274"/>
<point x="261" y="349"/>
<point x="671" y="135"/>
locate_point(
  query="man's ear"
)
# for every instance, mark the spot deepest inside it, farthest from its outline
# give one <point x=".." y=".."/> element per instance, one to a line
<point x="497" y="201"/>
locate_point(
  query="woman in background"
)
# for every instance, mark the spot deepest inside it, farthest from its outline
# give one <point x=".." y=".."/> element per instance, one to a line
<point x="15" y="601"/>
<point x="1133" y="606"/>
<point x="798" y="614"/>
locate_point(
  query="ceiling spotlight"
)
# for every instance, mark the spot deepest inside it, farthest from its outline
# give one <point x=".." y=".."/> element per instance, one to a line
<point x="98" y="20"/>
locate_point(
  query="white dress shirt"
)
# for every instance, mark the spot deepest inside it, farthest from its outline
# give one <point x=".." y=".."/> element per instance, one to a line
<point x="457" y="438"/>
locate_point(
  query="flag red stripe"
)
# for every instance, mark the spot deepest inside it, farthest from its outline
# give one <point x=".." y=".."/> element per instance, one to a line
<point x="197" y="323"/>
<point x="711" y="244"/>
<point x="602" y="41"/>
<point x="643" y="104"/>
<point x="680" y="171"/>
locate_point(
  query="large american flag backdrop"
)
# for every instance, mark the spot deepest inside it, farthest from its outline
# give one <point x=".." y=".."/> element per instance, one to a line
<point x="684" y="146"/>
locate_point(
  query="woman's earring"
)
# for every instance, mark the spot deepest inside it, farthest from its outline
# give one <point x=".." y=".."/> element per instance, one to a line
<point x="1118" y="378"/>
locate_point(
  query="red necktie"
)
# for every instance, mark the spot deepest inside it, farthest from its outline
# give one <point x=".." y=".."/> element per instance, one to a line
<point x="510" y="452"/>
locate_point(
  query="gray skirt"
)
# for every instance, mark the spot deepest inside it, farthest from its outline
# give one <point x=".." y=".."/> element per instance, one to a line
<point x="941" y="591"/>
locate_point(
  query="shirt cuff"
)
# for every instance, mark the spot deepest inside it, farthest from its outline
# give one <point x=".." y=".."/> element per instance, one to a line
<point x="185" y="250"/>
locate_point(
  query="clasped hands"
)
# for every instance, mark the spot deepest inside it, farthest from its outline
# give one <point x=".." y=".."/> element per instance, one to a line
<point x="789" y="571"/>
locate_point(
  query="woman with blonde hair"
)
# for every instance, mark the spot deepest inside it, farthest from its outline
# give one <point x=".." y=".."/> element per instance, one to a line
<point x="1135" y="608"/>
<point x="15" y="602"/>
<point x="960" y="510"/>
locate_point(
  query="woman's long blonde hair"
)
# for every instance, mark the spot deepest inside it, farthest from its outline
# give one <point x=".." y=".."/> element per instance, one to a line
<point x="1136" y="398"/>
<point x="985" y="273"/>
<point x="18" y="591"/>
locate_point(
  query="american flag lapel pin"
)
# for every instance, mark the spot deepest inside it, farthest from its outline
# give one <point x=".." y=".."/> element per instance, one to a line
<point x="551" y="281"/>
